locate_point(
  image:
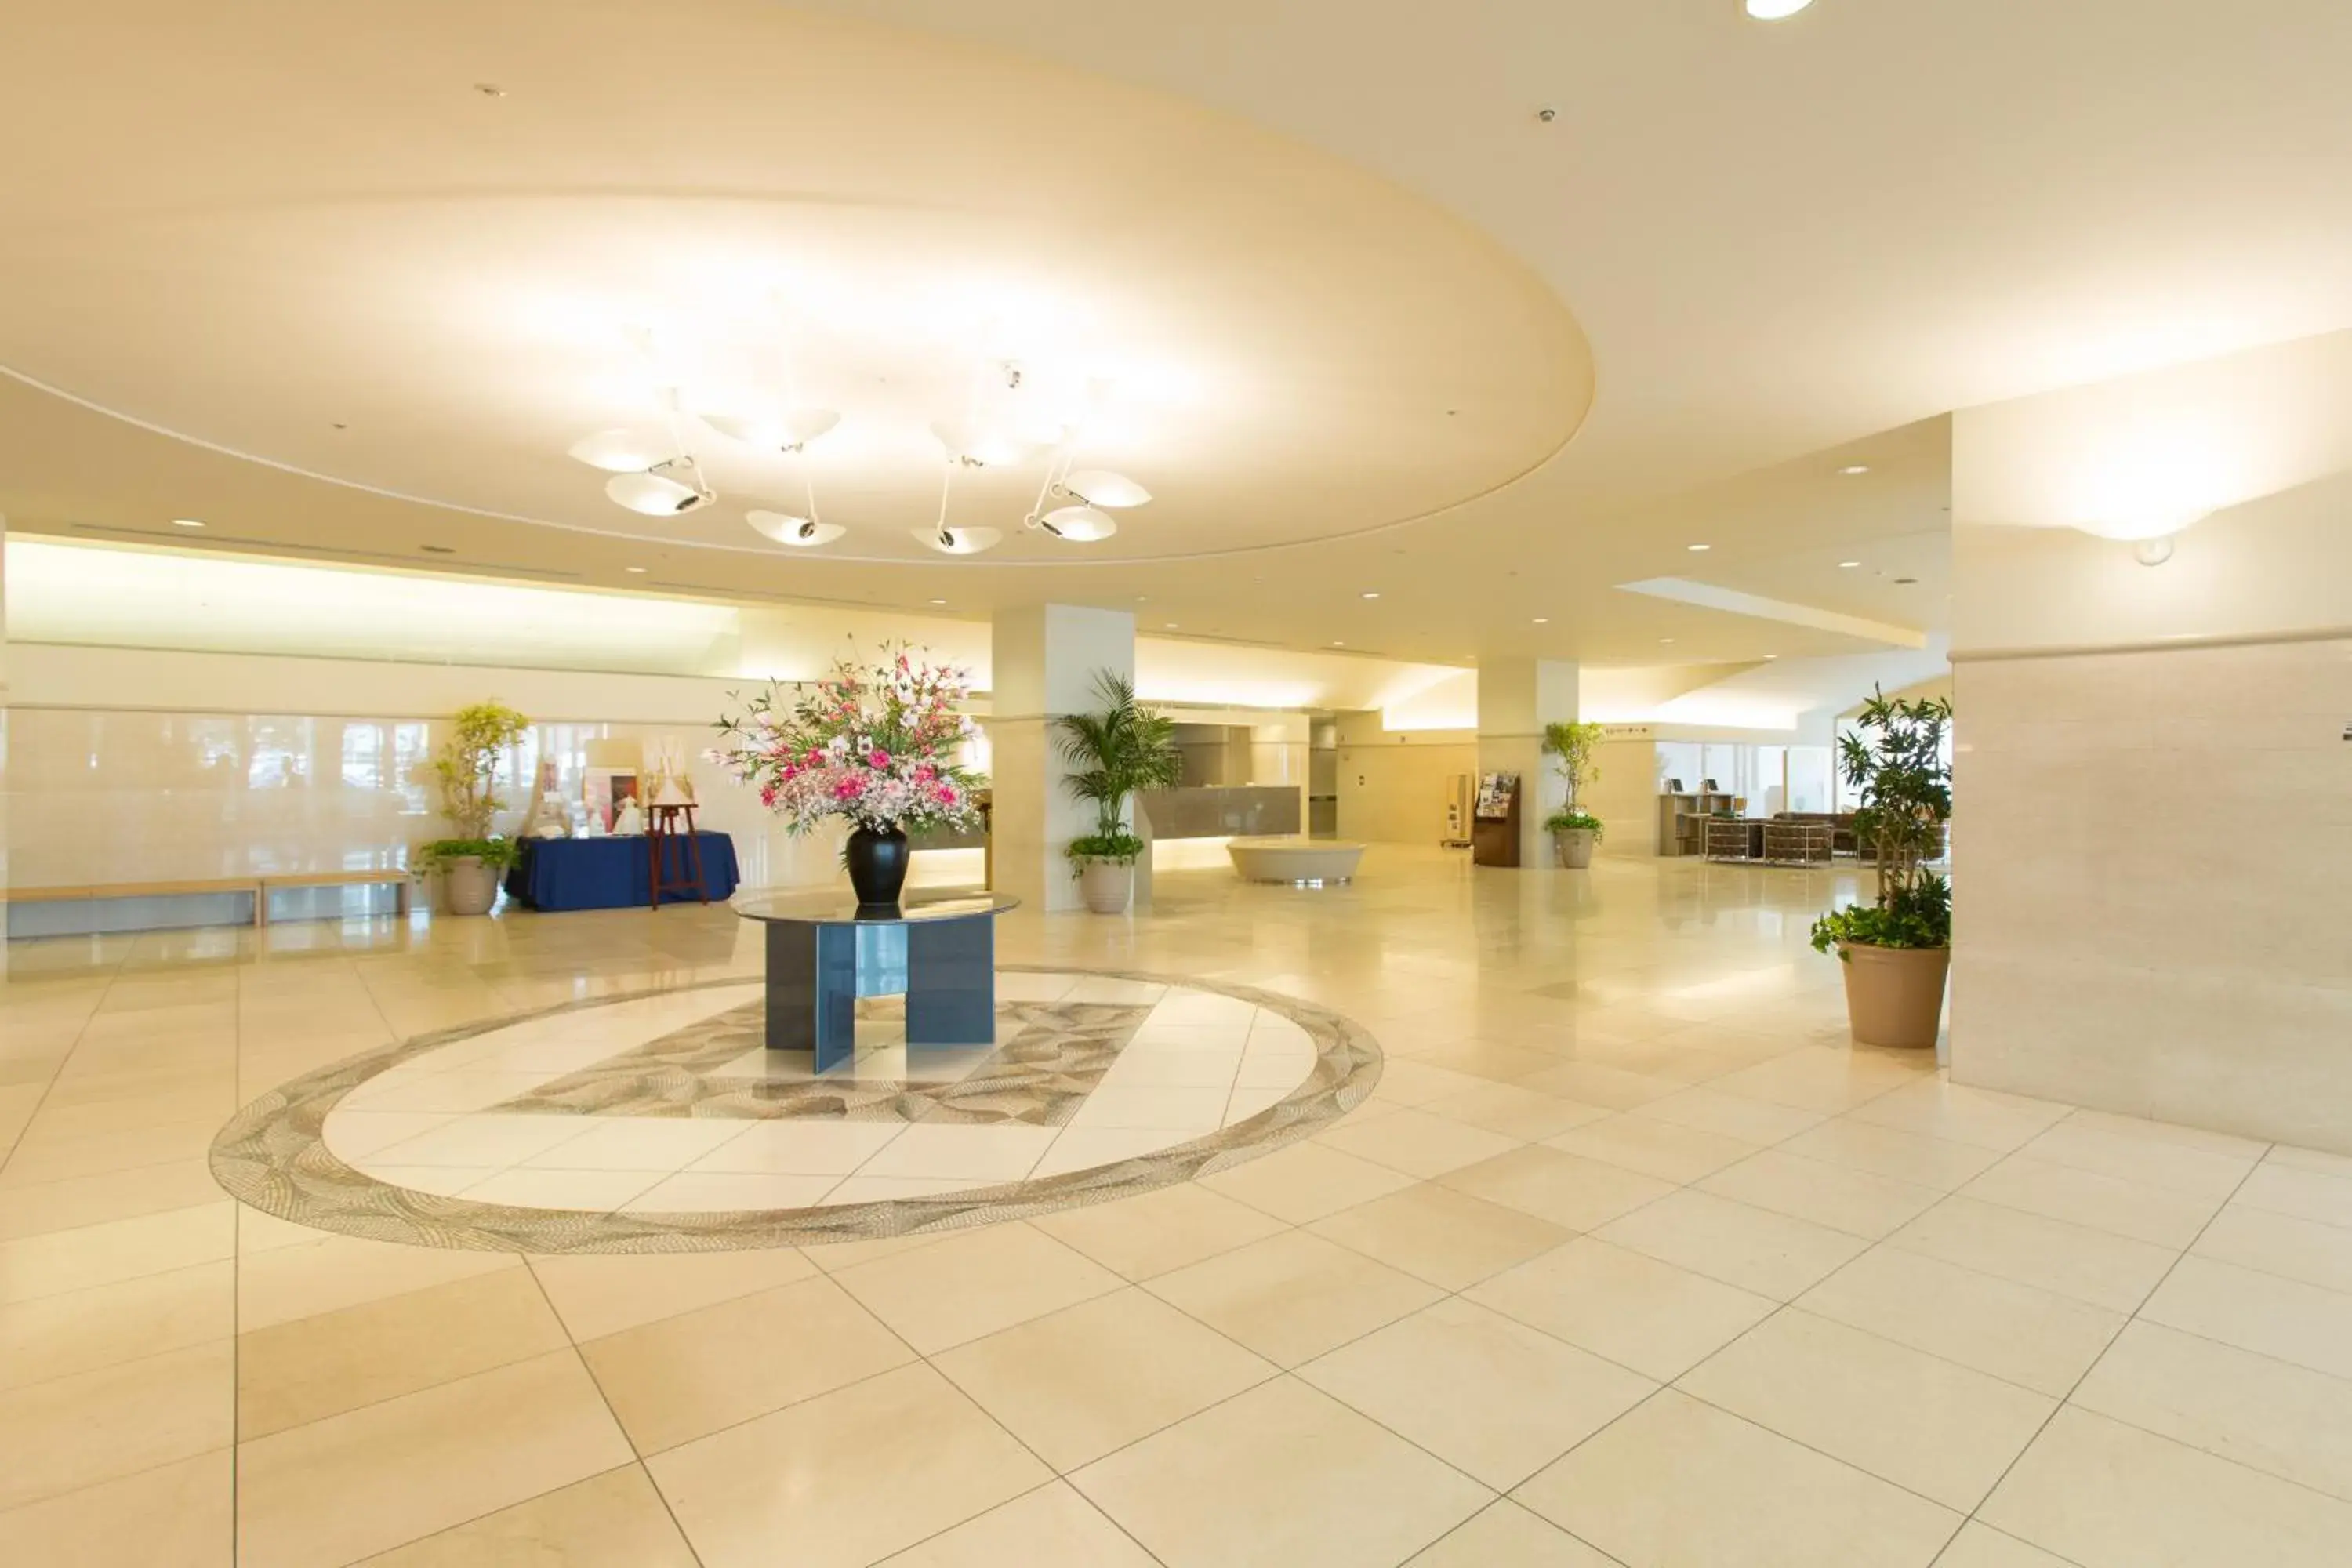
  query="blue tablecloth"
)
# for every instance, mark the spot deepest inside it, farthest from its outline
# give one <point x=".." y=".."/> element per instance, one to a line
<point x="613" y="873"/>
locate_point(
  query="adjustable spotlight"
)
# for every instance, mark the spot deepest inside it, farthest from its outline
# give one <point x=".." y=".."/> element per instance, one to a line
<point x="1100" y="486"/>
<point x="658" y="491"/>
<point x="1078" y="524"/>
<point x="626" y="451"/>
<point x="787" y="432"/>
<point x="800" y="532"/>
<point x="959" y="540"/>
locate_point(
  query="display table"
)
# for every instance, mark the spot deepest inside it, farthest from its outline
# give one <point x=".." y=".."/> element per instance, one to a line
<point x="826" y="949"/>
<point x="614" y="873"/>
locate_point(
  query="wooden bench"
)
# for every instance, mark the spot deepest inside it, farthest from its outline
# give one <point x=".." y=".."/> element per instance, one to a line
<point x="256" y="887"/>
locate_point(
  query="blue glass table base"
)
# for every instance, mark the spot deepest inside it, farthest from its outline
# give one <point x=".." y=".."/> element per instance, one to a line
<point x="822" y="962"/>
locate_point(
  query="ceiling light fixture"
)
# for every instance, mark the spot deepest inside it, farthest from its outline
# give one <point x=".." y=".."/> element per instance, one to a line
<point x="800" y="532"/>
<point x="1850" y="469"/>
<point x="788" y="432"/>
<point x="1100" y="486"/>
<point x="186" y="523"/>
<point x="938" y="601"/>
<point x="1078" y="524"/>
<point x="2153" y="552"/>
<point x="1663" y="640"/>
<point x="1543" y="620"/>
<point x="1848" y="565"/>
<point x="625" y="451"/>
<point x="1367" y="593"/>
<point x="638" y="570"/>
<point x="1696" y="549"/>
<point x="1775" y="10"/>
<point x="959" y="540"/>
<point x="661" y="491"/>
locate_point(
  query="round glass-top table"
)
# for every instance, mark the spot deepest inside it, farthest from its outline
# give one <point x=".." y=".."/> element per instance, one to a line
<point x="826" y="949"/>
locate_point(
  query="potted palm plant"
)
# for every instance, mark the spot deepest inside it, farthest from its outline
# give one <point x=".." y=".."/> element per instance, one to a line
<point x="1122" y="748"/>
<point x="1896" y="950"/>
<point x="472" y="860"/>
<point x="1574" y="831"/>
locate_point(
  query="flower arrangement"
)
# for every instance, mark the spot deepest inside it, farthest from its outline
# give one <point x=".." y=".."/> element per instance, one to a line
<point x="873" y="744"/>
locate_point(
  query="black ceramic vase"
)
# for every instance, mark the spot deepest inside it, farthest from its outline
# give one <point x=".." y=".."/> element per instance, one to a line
<point x="877" y="866"/>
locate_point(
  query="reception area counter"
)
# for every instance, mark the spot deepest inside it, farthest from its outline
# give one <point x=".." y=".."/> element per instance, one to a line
<point x="1223" y="811"/>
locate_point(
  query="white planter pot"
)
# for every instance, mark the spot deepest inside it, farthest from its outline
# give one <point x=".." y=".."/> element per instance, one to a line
<point x="1107" y="886"/>
<point x="467" y="885"/>
<point x="1574" y="846"/>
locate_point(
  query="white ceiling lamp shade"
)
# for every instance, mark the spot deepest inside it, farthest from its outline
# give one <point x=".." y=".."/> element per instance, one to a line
<point x="959" y="541"/>
<point x="1100" y="486"/>
<point x="2155" y="523"/>
<point x="1079" y="524"/>
<point x="800" y="532"/>
<point x="787" y="432"/>
<point x="1775" y="10"/>
<point x="982" y="445"/>
<point x="625" y="451"/>
<point x="659" y="491"/>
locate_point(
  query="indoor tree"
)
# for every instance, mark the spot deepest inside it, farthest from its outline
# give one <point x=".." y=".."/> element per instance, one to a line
<point x="467" y="771"/>
<point x="1894" y="757"/>
<point x="1114" y="752"/>
<point x="1575" y="830"/>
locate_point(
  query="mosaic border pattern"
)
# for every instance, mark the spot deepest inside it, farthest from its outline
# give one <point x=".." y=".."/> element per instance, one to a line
<point x="272" y="1155"/>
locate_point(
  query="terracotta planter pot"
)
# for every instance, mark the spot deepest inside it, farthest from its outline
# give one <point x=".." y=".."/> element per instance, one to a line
<point x="1574" y="846"/>
<point x="468" y="887"/>
<point x="1895" y="997"/>
<point x="1105" y="886"/>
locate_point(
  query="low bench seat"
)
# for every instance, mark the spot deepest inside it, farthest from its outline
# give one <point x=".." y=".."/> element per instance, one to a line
<point x="1295" y="862"/>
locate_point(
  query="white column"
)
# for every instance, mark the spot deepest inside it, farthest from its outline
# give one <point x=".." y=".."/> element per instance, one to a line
<point x="1043" y="661"/>
<point x="1516" y="698"/>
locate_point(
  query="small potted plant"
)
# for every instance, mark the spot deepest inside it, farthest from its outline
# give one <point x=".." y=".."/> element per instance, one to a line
<point x="874" y="745"/>
<point x="472" y="859"/>
<point x="1896" y="950"/>
<point x="1124" y="748"/>
<point x="1574" y="831"/>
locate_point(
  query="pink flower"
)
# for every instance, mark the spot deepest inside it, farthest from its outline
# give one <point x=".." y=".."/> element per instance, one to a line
<point x="879" y="759"/>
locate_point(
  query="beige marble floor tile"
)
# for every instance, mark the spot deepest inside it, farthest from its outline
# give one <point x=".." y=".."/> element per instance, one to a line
<point x="178" y="1515"/>
<point x="1610" y="1089"/>
<point x="294" y="1373"/>
<point x="77" y="1431"/>
<point x="875" y="1467"/>
<point x="2318" y="1160"/>
<point x="112" y="1195"/>
<point x="613" y="1520"/>
<point x="1077" y="1384"/>
<point x="386" y="1474"/>
<point x="1566" y="1189"/>
<point x="1488" y="1395"/>
<point x="1981" y="1546"/>
<point x="1838" y="1197"/>
<point x="490" y="1139"/>
<point x="1826" y="1080"/>
<point x="1154" y="1232"/>
<point x="81" y="1330"/>
<point x="598" y="1294"/>
<point x="56" y="1262"/>
<point x="2094" y="1266"/>
<point x="1307" y="1181"/>
<point x="1506" y="1535"/>
<point x="1485" y="1059"/>
<point x="1515" y="1111"/>
<point x="338" y="1272"/>
<point x="1929" y="1426"/>
<point x="2228" y="1144"/>
<point x="1770" y="1253"/>
<point x="1417" y="1142"/>
<point x="2119" y="1204"/>
<point x="800" y="1147"/>
<point x="718" y="1192"/>
<point x="2031" y="1337"/>
<point x="1940" y="1109"/>
<point x="1302" y="1482"/>
<point x="1748" y="1497"/>
<point x="1665" y="1150"/>
<point x="2106" y="1495"/>
<point x="1404" y="1081"/>
<point x="1733" y="1115"/>
<point x="1915" y="1157"/>
<point x="2284" y="1318"/>
<point x="2267" y="1414"/>
<point x="642" y="1143"/>
<point x="974" y="1284"/>
<point x="575" y="1192"/>
<point x="2152" y="1162"/>
<point x="1451" y="1240"/>
<point x="1051" y="1527"/>
<point x="2309" y="1194"/>
<point x="1294" y="1296"/>
<point x="2303" y="1250"/>
<point x="1653" y="1316"/>
<point x="684" y="1376"/>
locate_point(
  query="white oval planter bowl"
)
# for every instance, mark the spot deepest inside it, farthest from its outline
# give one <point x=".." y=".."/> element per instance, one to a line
<point x="1295" y="862"/>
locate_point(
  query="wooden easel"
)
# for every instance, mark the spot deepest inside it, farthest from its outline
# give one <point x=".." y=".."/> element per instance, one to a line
<point x="661" y="828"/>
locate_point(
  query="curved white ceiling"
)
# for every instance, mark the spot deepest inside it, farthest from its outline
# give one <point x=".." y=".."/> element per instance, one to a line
<point x="306" y="236"/>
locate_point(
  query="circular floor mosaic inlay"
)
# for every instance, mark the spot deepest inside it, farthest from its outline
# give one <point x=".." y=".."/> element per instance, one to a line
<point x="659" y="1122"/>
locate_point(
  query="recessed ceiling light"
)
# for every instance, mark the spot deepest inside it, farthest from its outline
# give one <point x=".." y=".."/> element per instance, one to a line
<point x="489" y="90"/>
<point x="1169" y="625"/>
<point x="1772" y="655"/>
<point x="186" y="523"/>
<point x="1665" y="639"/>
<point x="1543" y="620"/>
<point x="1336" y="643"/>
<point x="1775" y="10"/>
<point x="639" y="570"/>
<point x="1368" y="594"/>
<point x="1848" y="565"/>
<point x="938" y="601"/>
<point x="1695" y="549"/>
<point x="1853" y="468"/>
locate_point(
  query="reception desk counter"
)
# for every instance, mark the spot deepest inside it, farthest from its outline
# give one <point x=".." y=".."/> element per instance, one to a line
<point x="1223" y="811"/>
